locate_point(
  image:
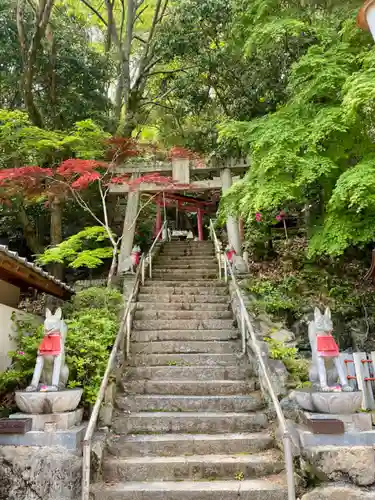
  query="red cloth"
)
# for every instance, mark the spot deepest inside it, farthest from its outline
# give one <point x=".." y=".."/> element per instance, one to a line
<point x="230" y="254"/>
<point x="326" y="346"/>
<point x="51" y="345"/>
<point x="135" y="258"/>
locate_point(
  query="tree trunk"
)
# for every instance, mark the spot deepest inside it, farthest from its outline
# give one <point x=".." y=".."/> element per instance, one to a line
<point x="56" y="233"/>
<point x="113" y="268"/>
<point x="29" y="232"/>
<point x="29" y="52"/>
<point x="119" y="96"/>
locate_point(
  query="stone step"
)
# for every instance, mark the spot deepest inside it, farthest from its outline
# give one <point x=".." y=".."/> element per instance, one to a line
<point x="188" y="444"/>
<point x="172" y="314"/>
<point x="187" y="372"/>
<point x="201" y="335"/>
<point x="169" y="247"/>
<point x="194" y="252"/>
<point x="183" y="306"/>
<point x="191" y="387"/>
<point x="188" y="422"/>
<point x="158" y="402"/>
<point x="187" y="359"/>
<point x="190" y="300"/>
<point x="182" y="246"/>
<point x="183" y="265"/>
<point x="188" y="242"/>
<point x="185" y="291"/>
<point x="187" y="274"/>
<point x="196" y="283"/>
<point x="272" y="488"/>
<point x="182" y="324"/>
<point x="212" y="347"/>
<point x="185" y="259"/>
<point x="196" y="467"/>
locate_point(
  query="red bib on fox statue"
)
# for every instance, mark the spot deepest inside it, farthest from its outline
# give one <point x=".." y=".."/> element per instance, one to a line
<point x="51" y="344"/>
<point x="136" y="255"/>
<point x="326" y="346"/>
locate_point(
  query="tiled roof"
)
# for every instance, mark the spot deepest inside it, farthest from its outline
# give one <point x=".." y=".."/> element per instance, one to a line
<point x="22" y="260"/>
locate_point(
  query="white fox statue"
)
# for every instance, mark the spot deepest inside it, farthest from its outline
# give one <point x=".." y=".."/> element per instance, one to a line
<point x="326" y="365"/>
<point x="50" y="368"/>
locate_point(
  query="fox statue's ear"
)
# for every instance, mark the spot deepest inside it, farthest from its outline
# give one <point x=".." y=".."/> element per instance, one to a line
<point x="327" y="313"/>
<point x="48" y="313"/>
<point x="58" y="313"/>
<point x="317" y="314"/>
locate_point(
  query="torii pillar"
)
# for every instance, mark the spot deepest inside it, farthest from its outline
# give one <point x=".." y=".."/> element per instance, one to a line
<point x="128" y="232"/>
<point x="233" y="229"/>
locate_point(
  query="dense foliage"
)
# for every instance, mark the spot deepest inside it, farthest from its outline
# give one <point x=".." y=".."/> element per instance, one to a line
<point x="314" y="154"/>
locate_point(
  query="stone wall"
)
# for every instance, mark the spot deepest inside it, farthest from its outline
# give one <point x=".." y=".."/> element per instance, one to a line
<point x="39" y="473"/>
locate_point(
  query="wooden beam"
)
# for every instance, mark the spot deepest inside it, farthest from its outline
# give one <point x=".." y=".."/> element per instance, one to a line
<point x="24" y="277"/>
<point x="155" y="188"/>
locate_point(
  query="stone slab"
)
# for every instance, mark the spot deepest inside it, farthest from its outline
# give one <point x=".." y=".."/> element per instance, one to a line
<point x="70" y="439"/>
<point x="36" y="473"/>
<point x="62" y="421"/>
<point x="252" y="489"/>
<point x="356" y="422"/>
<point x="355" y="464"/>
<point x="20" y="425"/>
<point x="310" y="440"/>
<point x="339" y="491"/>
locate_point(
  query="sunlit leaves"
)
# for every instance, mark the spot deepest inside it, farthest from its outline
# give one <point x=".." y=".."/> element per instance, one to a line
<point x="318" y="149"/>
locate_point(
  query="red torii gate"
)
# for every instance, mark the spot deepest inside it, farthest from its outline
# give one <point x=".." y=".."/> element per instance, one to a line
<point x="185" y="203"/>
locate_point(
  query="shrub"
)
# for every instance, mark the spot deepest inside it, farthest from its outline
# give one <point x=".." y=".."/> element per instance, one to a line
<point x="297" y="367"/>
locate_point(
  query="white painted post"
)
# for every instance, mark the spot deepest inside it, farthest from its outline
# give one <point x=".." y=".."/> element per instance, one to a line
<point x="143" y="271"/>
<point x="349" y="369"/>
<point x="362" y="372"/>
<point x="232" y="223"/>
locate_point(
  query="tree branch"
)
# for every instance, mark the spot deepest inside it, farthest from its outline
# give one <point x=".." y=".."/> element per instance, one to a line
<point x="156" y="104"/>
<point x="42" y="18"/>
<point x="127" y="49"/>
<point x="139" y="38"/>
<point x="138" y="15"/>
<point x="21" y="29"/>
<point x="169" y="71"/>
<point x="96" y="12"/>
<point x="112" y="28"/>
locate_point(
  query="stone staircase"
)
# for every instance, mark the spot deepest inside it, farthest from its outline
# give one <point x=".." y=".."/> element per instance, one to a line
<point x="189" y="423"/>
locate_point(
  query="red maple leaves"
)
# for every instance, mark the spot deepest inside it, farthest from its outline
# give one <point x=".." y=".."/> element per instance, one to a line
<point x="81" y="173"/>
<point x="34" y="181"/>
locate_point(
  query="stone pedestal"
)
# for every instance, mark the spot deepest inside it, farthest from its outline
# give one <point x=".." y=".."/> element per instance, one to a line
<point x="56" y="421"/>
<point x="342" y="403"/>
<point x="70" y="439"/>
<point x="60" y="421"/>
<point x="48" y="402"/>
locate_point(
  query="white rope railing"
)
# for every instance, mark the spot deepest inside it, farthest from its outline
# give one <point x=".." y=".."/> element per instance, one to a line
<point x="247" y="331"/>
